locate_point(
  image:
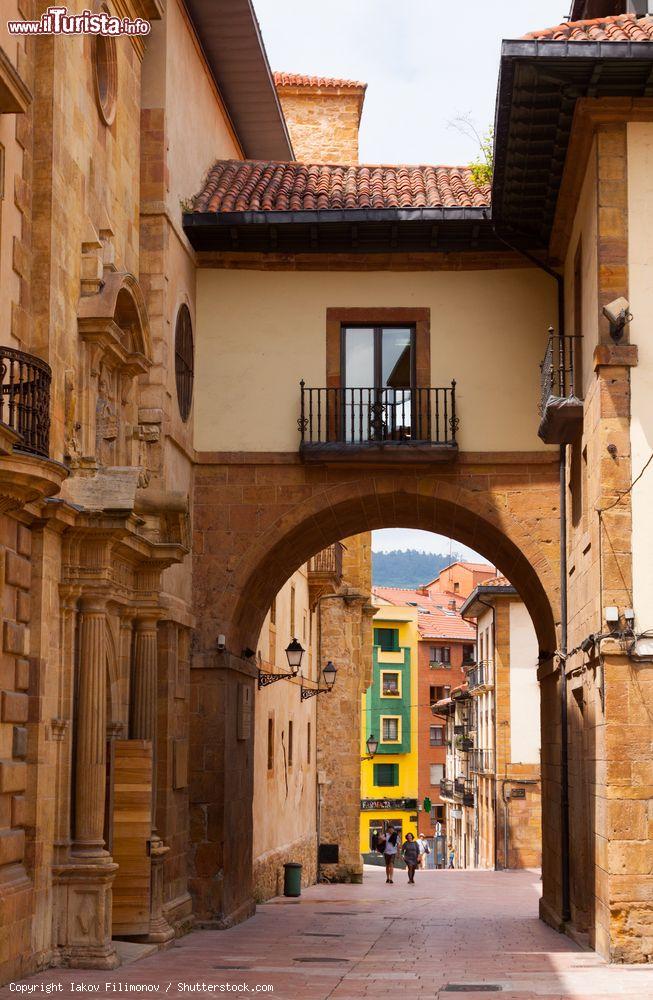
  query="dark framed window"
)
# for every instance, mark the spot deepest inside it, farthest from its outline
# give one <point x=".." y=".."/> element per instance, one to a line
<point x="184" y="361"/>
<point x="390" y="686"/>
<point x="441" y="655"/>
<point x="105" y="75"/>
<point x="390" y="730"/>
<point x="436" y="736"/>
<point x="386" y="775"/>
<point x="387" y="639"/>
<point x="469" y="653"/>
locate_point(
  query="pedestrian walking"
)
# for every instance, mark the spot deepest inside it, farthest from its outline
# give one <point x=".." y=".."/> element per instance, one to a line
<point x="424" y="849"/>
<point x="390" y="853"/>
<point x="452" y="856"/>
<point x="410" y="854"/>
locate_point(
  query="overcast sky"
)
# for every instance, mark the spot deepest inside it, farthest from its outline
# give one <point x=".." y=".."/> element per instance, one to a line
<point x="425" y="62"/>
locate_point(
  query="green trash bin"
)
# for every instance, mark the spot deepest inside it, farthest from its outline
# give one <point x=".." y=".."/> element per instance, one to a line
<point x="292" y="879"/>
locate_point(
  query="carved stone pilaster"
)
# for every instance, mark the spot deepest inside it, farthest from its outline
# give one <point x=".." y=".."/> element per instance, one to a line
<point x="91" y="726"/>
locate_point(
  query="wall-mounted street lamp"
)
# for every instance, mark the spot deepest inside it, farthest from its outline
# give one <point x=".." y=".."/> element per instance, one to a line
<point x="329" y="674"/>
<point x="294" y="654"/>
<point x="372" y="745"/>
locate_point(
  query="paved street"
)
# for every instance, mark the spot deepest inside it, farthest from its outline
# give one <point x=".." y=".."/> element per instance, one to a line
<point x="449" y="932"/>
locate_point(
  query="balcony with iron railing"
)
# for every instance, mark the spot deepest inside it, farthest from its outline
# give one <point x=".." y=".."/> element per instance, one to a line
<point x="561" y="404"/>
<point x="446" y="788"/>
<point x="358" y="423"/>
<point x="482" y="761"/>
<point x="480" y="677"/>
<point x="25" y="399"/>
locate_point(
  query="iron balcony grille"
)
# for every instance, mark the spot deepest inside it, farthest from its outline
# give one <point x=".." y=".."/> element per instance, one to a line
<point x="480" y="675"/>
<point x="368" y="416"/>
<point x="25" y="399"/>
<point x="557" y="370"/>
<point x="446" y="787"/>
<point x="482" y="760"/>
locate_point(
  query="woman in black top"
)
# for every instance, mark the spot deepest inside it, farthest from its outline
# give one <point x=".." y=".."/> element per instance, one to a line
<point x="410" y="854"/>
<point x="389" y="849"/>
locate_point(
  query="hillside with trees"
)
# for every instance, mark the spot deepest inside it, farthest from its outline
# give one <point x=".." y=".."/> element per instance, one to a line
<point x="408" y="567"/>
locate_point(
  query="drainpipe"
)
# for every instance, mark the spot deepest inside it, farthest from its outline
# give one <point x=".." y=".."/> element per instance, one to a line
<point x="564" y="737"/>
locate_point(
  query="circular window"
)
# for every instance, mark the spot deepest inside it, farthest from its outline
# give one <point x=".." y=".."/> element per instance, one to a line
<point x="105" y="72"/>
<point x="184" y="361"/>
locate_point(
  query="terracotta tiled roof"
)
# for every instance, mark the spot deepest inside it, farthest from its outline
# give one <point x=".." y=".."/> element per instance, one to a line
<point x="270" y="186"/>
<point x="619" y="28"/>
<point x="497" y="581"/>
<point x="435" y="620"/>
<point x="302" y="80"/>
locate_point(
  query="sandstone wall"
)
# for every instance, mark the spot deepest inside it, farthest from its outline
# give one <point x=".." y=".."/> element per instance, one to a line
<point x="323" y="122"/>
<point x="268" y="873"/>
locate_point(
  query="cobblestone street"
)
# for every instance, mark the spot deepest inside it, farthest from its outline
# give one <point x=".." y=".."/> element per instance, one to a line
<point x="448" y="933"/>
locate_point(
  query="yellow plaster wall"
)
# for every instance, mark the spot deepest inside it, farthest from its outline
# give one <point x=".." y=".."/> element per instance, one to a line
<point x="259" y="333"/>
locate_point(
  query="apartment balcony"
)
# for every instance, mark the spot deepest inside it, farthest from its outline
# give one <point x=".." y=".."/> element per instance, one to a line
<point x="361" y="424"/>
<point x="480" y="677"/>
<point x="446" y="789"/>
<point x="561" y="409"/>
<point x="468" y="797"/>
<point x="325" y="572"/>
<point x="482" y="761"/>
<point x="464" y="743"/>
<point x="25" y="400"/>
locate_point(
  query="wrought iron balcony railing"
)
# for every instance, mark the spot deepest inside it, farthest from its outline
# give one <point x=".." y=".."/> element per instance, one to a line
<point x="561" y="406"/>
<point x="482" y="760"/>
<point x="446" y="788"/>
<point x="481" y="675"/>
<point x="25" y="399"/>
<point x="342" y="418"/>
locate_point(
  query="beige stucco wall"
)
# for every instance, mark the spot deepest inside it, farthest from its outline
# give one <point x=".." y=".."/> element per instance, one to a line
<point x="640" y="264"/>
<point x="284" y="804"/>
<point x="260" y="332"/>
<point x="584" y="232"/>
<point x="524" y="688"/>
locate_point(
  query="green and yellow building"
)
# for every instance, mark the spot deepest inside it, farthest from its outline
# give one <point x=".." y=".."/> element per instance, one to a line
<point x="389" y="781"/>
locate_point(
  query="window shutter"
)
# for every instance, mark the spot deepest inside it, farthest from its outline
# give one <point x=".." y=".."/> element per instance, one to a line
<point x="386" y="775"/>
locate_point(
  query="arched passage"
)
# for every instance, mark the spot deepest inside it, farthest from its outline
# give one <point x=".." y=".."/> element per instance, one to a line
<point x="254" y="525"/>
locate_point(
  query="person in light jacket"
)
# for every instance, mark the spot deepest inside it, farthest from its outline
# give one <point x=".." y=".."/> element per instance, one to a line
<point x="390" y="853"/>
<point x="410" y="854"/>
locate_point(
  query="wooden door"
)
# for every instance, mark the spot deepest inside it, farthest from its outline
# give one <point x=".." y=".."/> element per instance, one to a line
<point x="131" y="797"/>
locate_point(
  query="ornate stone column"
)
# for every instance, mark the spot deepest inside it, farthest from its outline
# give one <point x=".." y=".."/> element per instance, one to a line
<point x="84" y="937"/>
<point x="90" y="757"/>
<point x="143" y="727"/>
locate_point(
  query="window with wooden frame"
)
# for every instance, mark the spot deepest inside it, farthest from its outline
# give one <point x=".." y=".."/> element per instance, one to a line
<point x="390" y="684"/>
<point x="270" y="743"/>
<point x="184" y="361"/>
<point x="386" y="775"/>
<point x="387" y="639"/>
<point x="436" y="736"/>
<point x="441" y="656"/>
<point x="391" y="729"/>
<point x="292" y="611"/>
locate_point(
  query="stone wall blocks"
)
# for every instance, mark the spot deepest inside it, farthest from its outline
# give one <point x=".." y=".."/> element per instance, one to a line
<point x="18" y="570"/>
<point x="14" y="706"/>
<point x="13" y="776"/>
<point x="19" y="742"/>
<point x="14" y="638"/>
<point x="22" y="668"/>
<point x="12" y="846"/>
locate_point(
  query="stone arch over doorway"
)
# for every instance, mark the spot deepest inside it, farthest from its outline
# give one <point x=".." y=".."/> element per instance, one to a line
<point x="257" y="518"/>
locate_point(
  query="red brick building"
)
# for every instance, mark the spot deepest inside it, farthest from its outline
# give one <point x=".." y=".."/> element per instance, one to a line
<point x="446" y="644"/>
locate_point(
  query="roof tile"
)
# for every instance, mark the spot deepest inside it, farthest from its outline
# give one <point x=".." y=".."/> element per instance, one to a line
<point x="618" y="28"/>
<point x="253" y="186"/>
<point x="303" y="80"/>
<point x="435" y="619"/>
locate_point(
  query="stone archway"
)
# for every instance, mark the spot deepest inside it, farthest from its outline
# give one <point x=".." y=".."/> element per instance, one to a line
<point x="257" y="518"/>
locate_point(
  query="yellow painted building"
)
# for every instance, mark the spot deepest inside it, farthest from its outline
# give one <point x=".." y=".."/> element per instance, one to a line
<point x="389" y="712"/>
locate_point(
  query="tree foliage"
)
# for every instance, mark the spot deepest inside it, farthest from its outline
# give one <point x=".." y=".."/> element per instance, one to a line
<point x="408" y="568"/>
